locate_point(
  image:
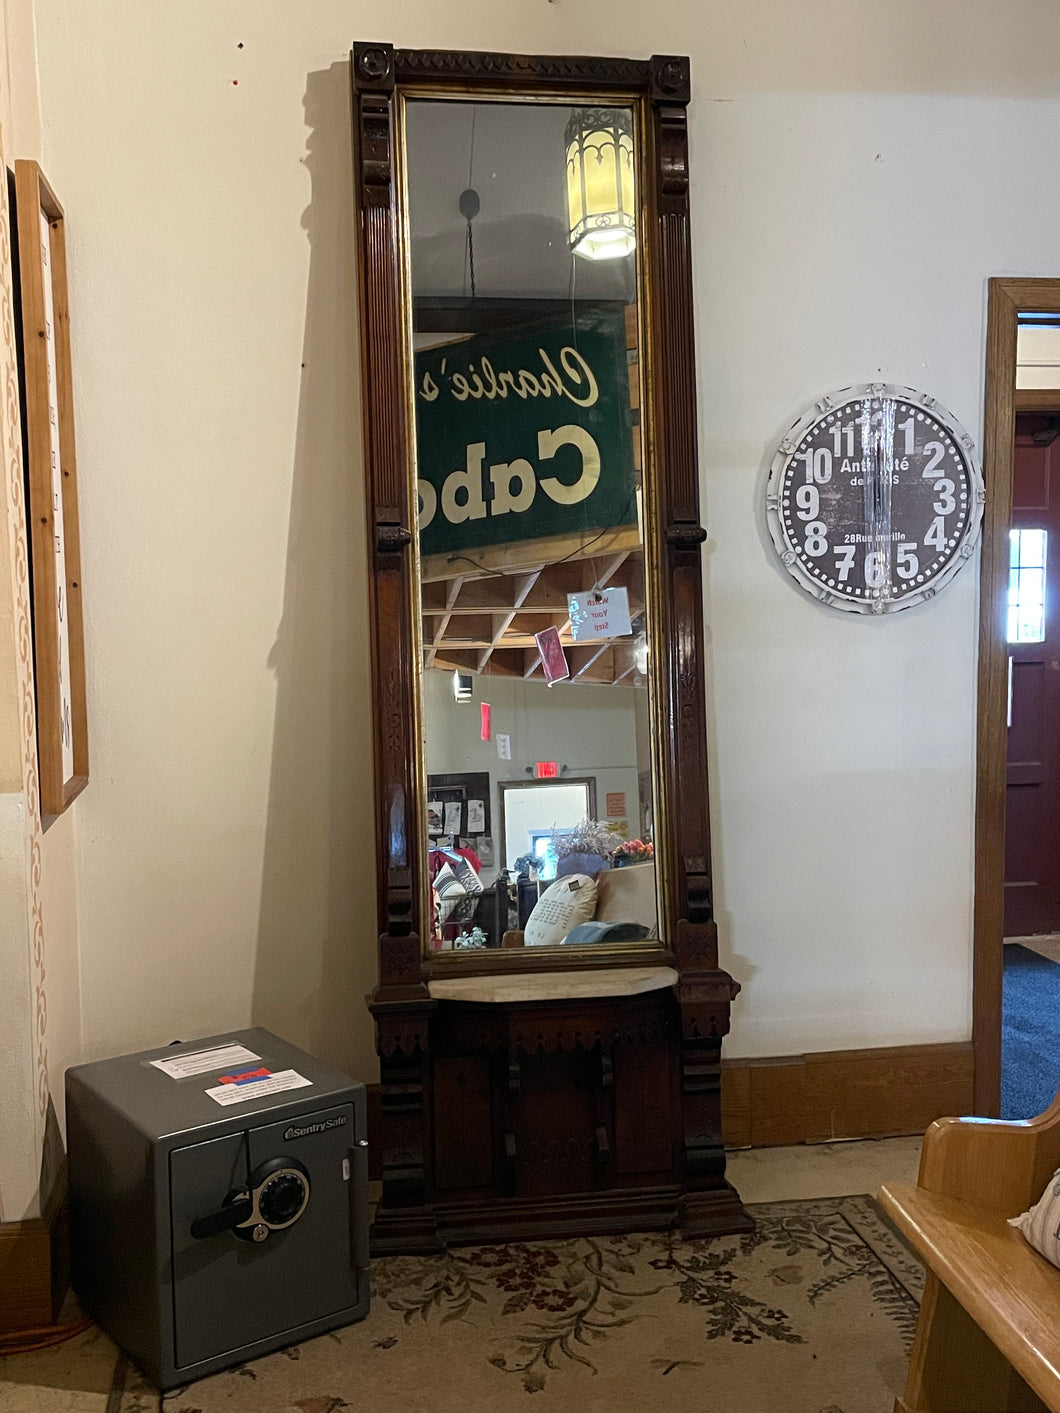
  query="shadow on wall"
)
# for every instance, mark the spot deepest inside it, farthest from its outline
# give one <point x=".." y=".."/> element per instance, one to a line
<point x="316" y="931"/>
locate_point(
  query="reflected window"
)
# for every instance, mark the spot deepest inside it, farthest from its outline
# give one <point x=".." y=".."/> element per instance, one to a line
<point x="1026" y="586"/>
<point x="544" y="850"/>
<point x="1038" y="351"/>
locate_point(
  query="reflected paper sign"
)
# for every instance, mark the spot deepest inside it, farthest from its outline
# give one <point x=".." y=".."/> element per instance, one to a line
<point x="601" y="613"/>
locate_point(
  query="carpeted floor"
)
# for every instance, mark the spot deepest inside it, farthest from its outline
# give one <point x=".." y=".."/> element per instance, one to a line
<point x="1030" y="1033"/>
<point x="811" y="1314"/>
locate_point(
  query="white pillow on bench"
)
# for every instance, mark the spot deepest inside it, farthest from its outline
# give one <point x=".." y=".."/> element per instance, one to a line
<point x="1041" y="1225"/>
<point x="563" y="905"/>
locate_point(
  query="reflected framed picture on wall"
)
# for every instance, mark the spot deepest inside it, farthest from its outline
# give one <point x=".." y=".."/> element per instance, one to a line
<point x="51" y="483"/>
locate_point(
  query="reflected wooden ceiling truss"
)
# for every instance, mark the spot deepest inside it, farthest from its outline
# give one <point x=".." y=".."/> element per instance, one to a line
<point x="482" y="617"/>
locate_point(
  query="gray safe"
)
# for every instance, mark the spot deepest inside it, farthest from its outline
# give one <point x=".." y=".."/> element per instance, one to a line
<point x="207" y="1229"/>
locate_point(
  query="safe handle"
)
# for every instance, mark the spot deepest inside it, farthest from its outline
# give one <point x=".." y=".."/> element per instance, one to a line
<point x="358" y="1218"/>
<point x="222" y="1220"/>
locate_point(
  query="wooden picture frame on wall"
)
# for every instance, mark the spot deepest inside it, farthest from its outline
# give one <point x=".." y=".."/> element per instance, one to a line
<point x="51" y="501"/>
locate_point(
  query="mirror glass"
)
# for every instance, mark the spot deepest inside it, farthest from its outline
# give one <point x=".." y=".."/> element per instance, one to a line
<point x="527" y="386"/>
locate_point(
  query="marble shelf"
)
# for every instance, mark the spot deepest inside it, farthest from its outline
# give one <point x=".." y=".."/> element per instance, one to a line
<point x="553" y="986"/>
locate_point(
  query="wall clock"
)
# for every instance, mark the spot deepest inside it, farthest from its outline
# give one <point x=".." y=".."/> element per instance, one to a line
<point x="875" y="498"/>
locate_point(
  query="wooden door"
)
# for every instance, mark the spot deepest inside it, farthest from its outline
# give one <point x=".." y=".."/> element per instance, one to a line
<point x="1032" y="836"/>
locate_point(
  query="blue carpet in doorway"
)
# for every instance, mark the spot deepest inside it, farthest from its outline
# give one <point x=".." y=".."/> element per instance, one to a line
<point x="1030" y="1033"/>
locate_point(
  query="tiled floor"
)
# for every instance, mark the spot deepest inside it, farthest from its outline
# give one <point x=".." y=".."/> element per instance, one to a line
<point x="77" y="1377"/>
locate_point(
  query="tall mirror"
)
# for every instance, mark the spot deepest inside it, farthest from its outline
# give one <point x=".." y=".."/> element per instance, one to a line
<point x="528" y="370"/>
<point x="534" y="605"/>
<point x="549" y="1008"/>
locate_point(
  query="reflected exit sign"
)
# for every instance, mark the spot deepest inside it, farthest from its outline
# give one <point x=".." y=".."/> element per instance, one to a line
<point x="546" y="769"/>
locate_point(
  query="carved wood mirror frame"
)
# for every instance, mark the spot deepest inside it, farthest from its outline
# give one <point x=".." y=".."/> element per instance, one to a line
<point x="660" y="86"/>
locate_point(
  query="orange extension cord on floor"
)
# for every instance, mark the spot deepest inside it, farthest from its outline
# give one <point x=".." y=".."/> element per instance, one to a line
<point x="27" y="1341"/>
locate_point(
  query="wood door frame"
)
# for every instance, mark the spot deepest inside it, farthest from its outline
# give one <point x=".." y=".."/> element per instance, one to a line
<point x="1008" y="298"/>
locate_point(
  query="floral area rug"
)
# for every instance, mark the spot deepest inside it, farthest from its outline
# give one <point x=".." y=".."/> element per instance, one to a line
<point x="812" y="1313"/>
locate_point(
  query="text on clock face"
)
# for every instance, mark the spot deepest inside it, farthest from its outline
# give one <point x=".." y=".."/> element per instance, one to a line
<point x="875" y="501"/>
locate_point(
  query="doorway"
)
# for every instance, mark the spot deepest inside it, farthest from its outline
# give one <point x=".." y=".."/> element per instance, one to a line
<point x="1032" y="792"/>
<point x="531" y="810"/>
<point x="1012" y="304"/>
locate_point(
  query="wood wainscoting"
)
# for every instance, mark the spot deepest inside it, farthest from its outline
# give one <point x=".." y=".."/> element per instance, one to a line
<point x="837" y="1094"/>
<point x="35" y="1266"/>
<point x="840" y="1094"/>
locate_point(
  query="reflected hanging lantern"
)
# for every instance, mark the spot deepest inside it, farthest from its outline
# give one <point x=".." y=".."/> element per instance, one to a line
<point x="600" y="195"/>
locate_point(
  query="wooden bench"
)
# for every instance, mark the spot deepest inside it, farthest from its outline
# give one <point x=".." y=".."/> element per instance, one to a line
<point x="988" y="1337"/>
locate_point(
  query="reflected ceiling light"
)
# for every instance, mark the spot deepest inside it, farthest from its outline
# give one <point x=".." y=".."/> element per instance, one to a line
<point x="600" y="196"/>
<point x="640" y="654"/>
<point x="462" y="686"/>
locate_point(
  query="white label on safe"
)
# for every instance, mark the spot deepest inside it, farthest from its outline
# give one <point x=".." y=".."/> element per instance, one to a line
<point x="221" y="1057"/>
<point x="275" y="1084"/>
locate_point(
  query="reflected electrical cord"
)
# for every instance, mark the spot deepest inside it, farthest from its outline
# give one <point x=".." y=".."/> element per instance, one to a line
<point x="574" y="554"/>
<point x="469" y="209"/>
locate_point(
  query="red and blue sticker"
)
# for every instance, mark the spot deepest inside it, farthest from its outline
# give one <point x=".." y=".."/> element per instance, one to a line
<point x="245" y="1077"/>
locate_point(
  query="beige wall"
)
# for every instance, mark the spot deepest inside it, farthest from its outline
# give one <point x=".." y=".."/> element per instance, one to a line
<point x="40" y="1022"/>
<point x="859" y="171"/>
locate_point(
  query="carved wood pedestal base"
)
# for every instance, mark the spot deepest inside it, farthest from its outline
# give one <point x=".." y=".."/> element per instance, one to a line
<point x="715" y="1213"/>
<point x="523" y="1120"/>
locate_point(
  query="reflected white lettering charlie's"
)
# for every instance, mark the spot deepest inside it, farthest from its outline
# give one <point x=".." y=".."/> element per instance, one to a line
<point x="577" y="381"/>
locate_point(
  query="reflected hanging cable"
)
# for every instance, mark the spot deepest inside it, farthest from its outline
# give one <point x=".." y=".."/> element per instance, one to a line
<point x="469" y="209"/>
<point x="470" y="205"/>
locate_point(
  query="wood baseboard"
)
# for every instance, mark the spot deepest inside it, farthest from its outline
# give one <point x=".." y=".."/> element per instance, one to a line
<point x="837" y="1094"/>
<point x="35" y="1266"/>
<point x="880" y="1093"/>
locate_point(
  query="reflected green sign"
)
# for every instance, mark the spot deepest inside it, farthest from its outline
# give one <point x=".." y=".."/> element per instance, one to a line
<point x="525" y="434"/>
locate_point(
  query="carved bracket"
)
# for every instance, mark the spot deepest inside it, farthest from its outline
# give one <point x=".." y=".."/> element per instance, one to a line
<point x="372" y="71"/>
<point x="398" y="902"/>
<point x="685" y="535"/>
<point x="698" y="897"/>
<point x="671" y="90"/>
<point x="705" y="1001"/>
<point x="402" y="1031"/>
<point x="391" y="537"/>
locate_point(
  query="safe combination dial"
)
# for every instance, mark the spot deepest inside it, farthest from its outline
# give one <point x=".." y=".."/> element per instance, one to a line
<point x="275" y="1196"/>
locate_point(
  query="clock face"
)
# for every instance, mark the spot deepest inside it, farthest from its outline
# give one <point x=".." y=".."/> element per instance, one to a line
<point x="874" y="498"/>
